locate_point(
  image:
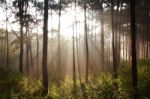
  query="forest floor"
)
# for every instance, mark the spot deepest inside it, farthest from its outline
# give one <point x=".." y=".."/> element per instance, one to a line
<point x="16" y="86"/>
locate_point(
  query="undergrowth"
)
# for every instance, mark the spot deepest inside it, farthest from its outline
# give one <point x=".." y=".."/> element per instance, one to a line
<point x="16" y="86"/>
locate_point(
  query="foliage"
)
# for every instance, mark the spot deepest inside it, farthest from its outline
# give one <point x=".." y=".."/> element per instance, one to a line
<point x="64" y="90"/>
<point x="105" y="87"/>
<point x="144" y="78"/>
<point x="16" y="86"/>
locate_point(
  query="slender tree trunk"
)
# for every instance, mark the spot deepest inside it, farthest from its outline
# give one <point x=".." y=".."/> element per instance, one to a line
<point x="118" y="44"/>
<point x="147" y="44"/>
<point x="31" y="56"/>
<point x="27" y="39"/>
<point x="86" y="43"/>
<point x="74" y="69"/>
<point x="133" y="45"/>
<point x="59" y="38"/>
<point x="113" y="41"/>
<point x="127" y="45"/>
<point x="45" y="42"/>
<point x="92" y="34"/>
<point x="27" y="52"/>
<point x="124" y="47"/>
<point x="102" y="41"/>
<point x="77" y="44"/>
<point x="1" y="52"/>
<point x="4" y="51"/>
<point x="120" y="22"/>
<point x="138" y="37"/>
<point x="37" y="49"/>
<point x="37" y="54"/>
<point x="7" y="38"/>
<point x="95" y="39"/>
<point x="21" y="5"/>
<point x="74" y="62"/>
<point x="52" y="39"/>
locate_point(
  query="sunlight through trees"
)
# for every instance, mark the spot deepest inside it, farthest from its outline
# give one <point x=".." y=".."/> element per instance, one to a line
<point x="74" y="49"/>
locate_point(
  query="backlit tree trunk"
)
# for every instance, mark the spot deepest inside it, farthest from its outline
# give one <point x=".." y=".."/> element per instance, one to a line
<point x="113" y="41"/>
<point x="21" y="5"/>
<point x="86" y="43"/>
<point x="45" y="42"/>
<point x="7" y="38"/>
<point x="102" y="40"/>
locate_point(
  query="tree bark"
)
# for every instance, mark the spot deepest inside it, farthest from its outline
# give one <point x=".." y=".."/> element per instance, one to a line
<point x="44" y="58"/>
<point x="86" y="44"/>
<point x="113" y="42"/>
<point x="133" y="46"/>
<point x="21" y="5"/>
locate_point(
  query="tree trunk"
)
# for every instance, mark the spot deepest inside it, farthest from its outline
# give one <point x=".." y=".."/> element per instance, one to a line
<point x="77" y="43"/>
<point x="37" y="49"/>
<point x="44" y="58"/>
<point x="133" y="46"/>
<point x="59" y="42"/>
<point x="37" y="54"/>
<point x="31" y="56"/>
<point x="113" y="42"/>
<point x="102" y="40"/>
<point x="147" y="30"/>
<point x="86" y="44"/>
<point x="27" y="52"/>
<point x="7" y="38"/>
<point x="21" y="5"/>
<point x="74" y="67"/>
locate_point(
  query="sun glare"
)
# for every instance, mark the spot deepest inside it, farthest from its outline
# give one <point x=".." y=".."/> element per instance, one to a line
<point x="70" y="18"/>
